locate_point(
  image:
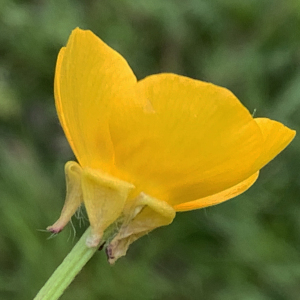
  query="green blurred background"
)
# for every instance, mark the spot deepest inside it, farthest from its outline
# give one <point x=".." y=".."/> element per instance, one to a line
<point x="247" y="248"/>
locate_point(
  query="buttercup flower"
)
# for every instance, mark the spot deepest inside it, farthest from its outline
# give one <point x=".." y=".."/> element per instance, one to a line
<point x="150" y="148"/>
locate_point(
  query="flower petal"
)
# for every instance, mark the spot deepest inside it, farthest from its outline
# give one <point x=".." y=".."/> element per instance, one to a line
<point x="219" y="197"/>
<point x="276" y="138"/>
<point x="89" y="77"/>
<point x="196" y="140"/>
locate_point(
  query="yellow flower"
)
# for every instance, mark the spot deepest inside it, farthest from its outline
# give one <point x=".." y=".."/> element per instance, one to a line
<point x="147" y="149"/>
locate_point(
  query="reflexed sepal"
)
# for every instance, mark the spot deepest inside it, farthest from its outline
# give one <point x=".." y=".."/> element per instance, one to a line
<point x="73" y="198"/>
<point x="104" y="199"/>
<point x="145" y="214"/>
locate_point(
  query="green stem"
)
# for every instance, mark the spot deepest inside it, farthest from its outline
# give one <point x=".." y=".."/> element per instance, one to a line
<point x="68" y="269"/>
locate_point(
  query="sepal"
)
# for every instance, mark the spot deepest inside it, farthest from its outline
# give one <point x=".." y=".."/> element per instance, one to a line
<point x="104" y="199"/>
<point x="142" y="216"/>
<point x="73" y="198"/>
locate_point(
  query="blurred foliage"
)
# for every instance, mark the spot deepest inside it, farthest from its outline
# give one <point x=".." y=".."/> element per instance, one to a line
<point x="247" y="248"/>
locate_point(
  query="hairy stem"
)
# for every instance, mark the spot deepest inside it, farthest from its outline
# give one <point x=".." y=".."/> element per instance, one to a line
<point x="68" y="269"/>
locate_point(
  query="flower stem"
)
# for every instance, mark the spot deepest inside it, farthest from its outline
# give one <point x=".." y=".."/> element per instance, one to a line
<point x="68" y="269"/>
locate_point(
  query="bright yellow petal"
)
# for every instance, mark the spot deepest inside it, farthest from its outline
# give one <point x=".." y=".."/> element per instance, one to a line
<point x="90" y="76"/>
<point x="276" y="138"/>
<point x="219" y="197"/>
<point x="58" y="103"/>
<point x="196" y="139"/>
